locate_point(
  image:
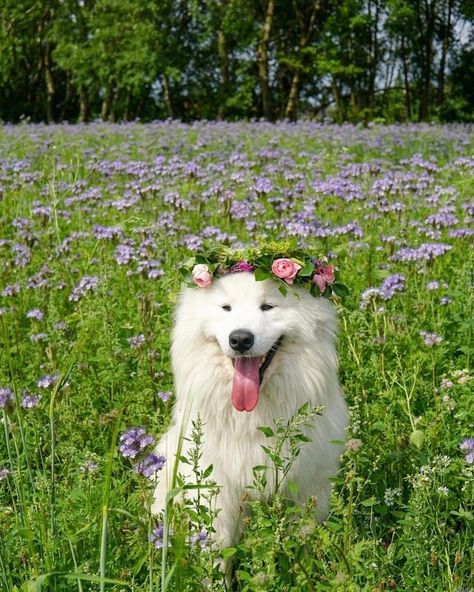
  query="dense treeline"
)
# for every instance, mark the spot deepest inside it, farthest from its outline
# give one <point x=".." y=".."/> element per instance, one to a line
<point x="351" y="60"/>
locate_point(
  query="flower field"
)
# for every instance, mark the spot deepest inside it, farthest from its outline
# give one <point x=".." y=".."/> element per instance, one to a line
<point x="95" y="222"/>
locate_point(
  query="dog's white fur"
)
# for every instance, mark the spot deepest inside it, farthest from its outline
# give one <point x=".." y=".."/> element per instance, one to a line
<point x="303" y="369"/>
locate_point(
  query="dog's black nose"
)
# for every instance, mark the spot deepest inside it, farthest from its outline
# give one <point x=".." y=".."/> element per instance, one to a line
<point x="241" y="340"/>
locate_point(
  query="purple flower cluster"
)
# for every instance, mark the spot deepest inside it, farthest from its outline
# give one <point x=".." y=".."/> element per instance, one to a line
<point x="165" y="395"/>
<point x="467" y="447"/>
<point x="29" y="400"/>
<point x="36" y="314"/>
<point x="425" y="252"/>
<point x="200" y="538"/>
<point x="134" y="441"/>
<point x="391" y="284"/>
<point x="150" y="465"/>
<point x="137" y="341"/>
<point x="87" y="284"/>
<point x="158" y="534"/>
<point x="133" y="444"/>
<point x="6" y="397"/>
<point x="47" y="381"/>
<point x="431" y="339"/>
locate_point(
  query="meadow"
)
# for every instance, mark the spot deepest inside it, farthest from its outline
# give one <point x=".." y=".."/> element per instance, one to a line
<point x="95" y="222"/>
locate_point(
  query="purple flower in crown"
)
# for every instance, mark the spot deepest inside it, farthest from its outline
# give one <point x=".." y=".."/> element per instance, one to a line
<point x="241" y="266"/>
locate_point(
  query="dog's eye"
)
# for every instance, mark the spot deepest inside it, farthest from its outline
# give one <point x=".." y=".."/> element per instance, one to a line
<point x="265" y="307"/>
<point x="226" y="307"/>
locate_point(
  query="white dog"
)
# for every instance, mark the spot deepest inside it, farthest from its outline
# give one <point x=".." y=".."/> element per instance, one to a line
<point x="244" y="355"/>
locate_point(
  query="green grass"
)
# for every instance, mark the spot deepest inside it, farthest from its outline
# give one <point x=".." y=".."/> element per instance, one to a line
<point x="402" y="510"/>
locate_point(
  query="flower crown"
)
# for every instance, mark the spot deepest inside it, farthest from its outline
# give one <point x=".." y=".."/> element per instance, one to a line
<point x="280" y="261"/>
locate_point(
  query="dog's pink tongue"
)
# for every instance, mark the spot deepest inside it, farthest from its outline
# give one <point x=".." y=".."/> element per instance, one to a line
<point x="246" y="384"/>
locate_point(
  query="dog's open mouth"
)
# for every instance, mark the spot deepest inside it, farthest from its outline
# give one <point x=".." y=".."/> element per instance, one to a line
<point x="248" y="376"/>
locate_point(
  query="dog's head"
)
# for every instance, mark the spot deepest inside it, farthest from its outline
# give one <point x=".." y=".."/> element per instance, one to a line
<point x="254" y="325"/>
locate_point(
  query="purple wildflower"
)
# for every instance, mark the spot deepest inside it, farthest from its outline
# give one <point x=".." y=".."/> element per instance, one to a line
<point x="368" y="296"/>
<point x="30" y="400"/>
<point x="467" y="447"/>
<point x="191" y="242"/>
<point x="461" y="233"/>
<point x="445" y="300"/>
<point x="47" y="381"/>
<point x="35" y="337"/>
<point x="134" y="441"/>
<point x="42" y="211"/>
<point x="22" y="255"/>
<point x="442" y="219"/>
<point x="137" y="341"/>
<point x="425" y="252"/>
<point x="165" y="395"/>
<point x="6" y="396"/>
<point x="446" y="384"/>
<point x="150" y="465"/>
<point x="4" y="472"/>
<point x="391" y="284"/>
<point x="35" y="313"/>
<point x="158" y="534"/>
<point x="87" y="283"/>
<point x="12" y="290"/>
<point x="124" y="253"/>
<point x="89" y="466"/>
<point x="107" y="232"/>
<point x="262" y="185"/>
<point x="431" y="339"/>
<point x="200" y="538"/>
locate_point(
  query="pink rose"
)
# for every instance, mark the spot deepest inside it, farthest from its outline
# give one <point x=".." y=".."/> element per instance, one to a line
<point x="285" y="269"/>
<point x="201" y="276"/>
<point x="324" y="276"/>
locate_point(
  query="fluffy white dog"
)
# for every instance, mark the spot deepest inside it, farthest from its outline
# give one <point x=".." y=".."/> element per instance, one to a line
<point x="244" y="355"/>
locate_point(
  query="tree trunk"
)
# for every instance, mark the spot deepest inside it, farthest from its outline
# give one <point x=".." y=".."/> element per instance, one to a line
<point x="427" y="26"/>
<point x="105" y="109"/>
<point x="167" y="96"/>
<point x="306" y="26"/>
<point x="262" y="58"/>
<point x="291" y="105"/>
<point x="337" y="98"/>
<point x="374" y="59"/>
<point x="444" y="53"/>
<point x="48" y="76"/>
<point x="405" y="80"/>
<point x="83" y="104"/>
<point x="128" y="99"/>
<point x="224" y="71"/>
